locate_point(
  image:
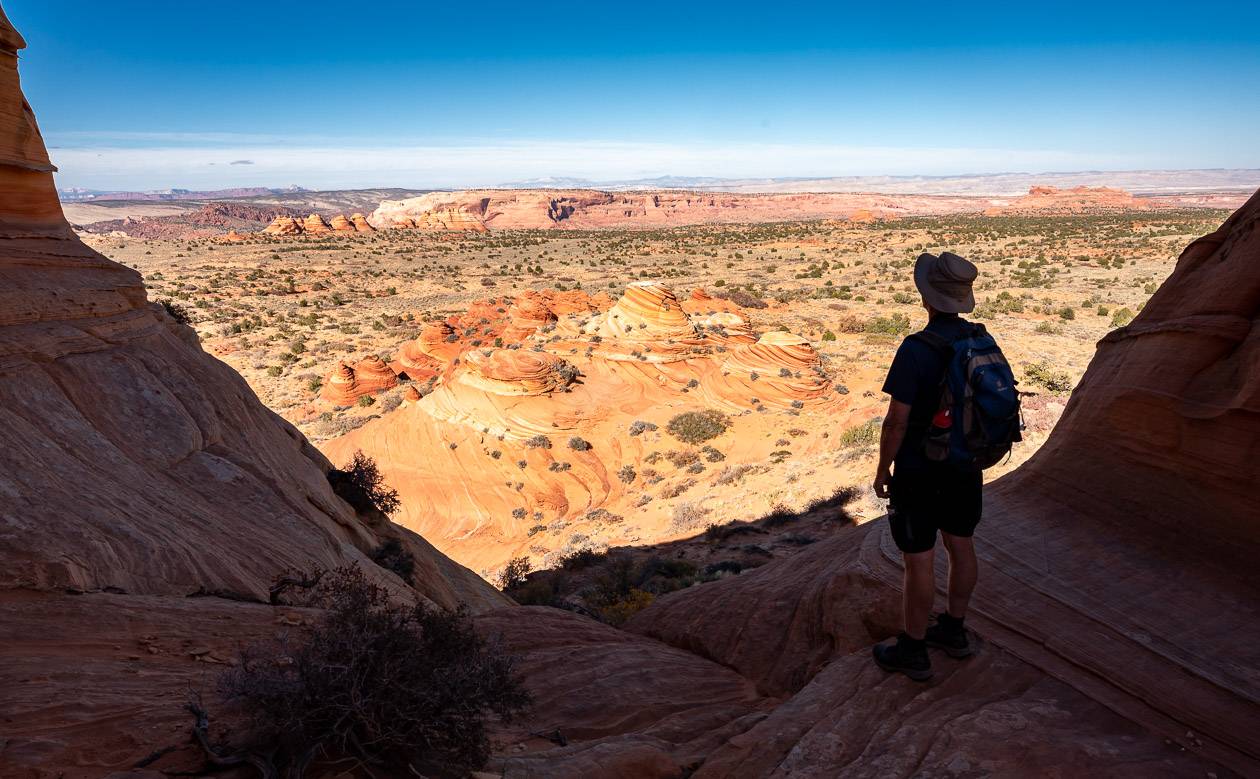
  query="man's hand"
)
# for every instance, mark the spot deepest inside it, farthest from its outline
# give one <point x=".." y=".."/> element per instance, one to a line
<point x="882" y="479"/>
<point x="891" y="435"/>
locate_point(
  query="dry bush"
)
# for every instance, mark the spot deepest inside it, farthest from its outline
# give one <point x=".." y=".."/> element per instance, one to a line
<point x="403" y="689"/>
<point x="696" y="427"/>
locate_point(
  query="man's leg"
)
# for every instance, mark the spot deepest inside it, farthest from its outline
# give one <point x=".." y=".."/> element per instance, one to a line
<point x="918" y="592"/>
<point x="963" y="570"/>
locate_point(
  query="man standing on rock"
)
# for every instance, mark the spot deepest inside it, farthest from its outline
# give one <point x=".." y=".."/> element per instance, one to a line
<point x="931" y="453"/>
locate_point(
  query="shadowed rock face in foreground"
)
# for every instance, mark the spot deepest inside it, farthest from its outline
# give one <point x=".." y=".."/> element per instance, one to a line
<point x="1117" y="616"/>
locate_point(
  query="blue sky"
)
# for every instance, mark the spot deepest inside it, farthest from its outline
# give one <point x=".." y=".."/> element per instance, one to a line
<point x="141" y="95"/>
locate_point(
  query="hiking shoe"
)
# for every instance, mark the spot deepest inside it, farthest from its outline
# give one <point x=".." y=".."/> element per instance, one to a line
<point x="908" y="656"/>
<point x="948" y="633"/>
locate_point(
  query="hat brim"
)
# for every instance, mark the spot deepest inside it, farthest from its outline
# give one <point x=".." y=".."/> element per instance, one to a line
<point x="934" y="297"/>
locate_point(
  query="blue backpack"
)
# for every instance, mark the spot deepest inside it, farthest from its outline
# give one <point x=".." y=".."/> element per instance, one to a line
<point x="978" y="418"/>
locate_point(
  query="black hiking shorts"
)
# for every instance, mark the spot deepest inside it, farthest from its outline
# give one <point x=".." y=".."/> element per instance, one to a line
<point x="939" y="497"/>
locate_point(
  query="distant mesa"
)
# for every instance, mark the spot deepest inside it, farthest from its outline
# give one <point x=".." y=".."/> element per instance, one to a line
<point x="543" y="209"/>
<point x="1077" y="200"/>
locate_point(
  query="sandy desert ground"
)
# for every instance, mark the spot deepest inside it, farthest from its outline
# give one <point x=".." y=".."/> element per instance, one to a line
<point x="285" y="311"/>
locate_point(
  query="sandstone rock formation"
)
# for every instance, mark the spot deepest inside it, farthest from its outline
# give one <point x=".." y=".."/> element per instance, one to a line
<point x="648" y="312"/>
<point x="341" y="224"/>
<point x="361" y="223"/>
<point x="315" y="224"/>
<point x="283" y="225"/>
<point x="149" y="499"/>
<point x="347" y="383"/>
<point x="501" y="419"/>
<point x="784" y="362"/>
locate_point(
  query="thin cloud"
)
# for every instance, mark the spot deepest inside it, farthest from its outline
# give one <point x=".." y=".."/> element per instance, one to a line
<point x="241" y="162"/>
<point x="490" y="163"/>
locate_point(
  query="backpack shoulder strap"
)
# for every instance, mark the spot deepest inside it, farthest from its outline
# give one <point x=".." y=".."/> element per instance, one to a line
<point x="938" y="343"/>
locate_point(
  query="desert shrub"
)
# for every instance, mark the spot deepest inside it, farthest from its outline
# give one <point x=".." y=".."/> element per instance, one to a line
<point x="865" y="434"/>
<point x="361" y="485"/>
<point x="178" y="312"/>
<point x="365" y="401"/>
<point x="779" y="515"/>
<point x="538" y="442"/>
<point x="639" y="427"/>
<point x="1048" y="328"/>
<point x="1121" y="317"/>
<point x="618" y="611"/>
<point x="315" y="385"/>
<point x="514" y="574"/>
<point x="723" y="566"/>
<point x="732" y="474"/>
<point x="1044" y="375"/>
<point x="711" y="454"/>
<point x="828" y="335"/>
<point x="579" y="444"/>
<point x="404" y="689"/>
<point x="626" y="474"/>
<point x="694" y="427"/>
<point x="582" y="558"/>
<point x="393" y="557"/>
<point x="742" y="299"/>
<point x="897" y="324"/>
<point x="687" y="516"/>
<point x="1067" y="313"/>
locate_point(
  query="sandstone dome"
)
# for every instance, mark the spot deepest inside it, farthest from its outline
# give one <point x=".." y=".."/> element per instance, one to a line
<point x="647" y="322"/>
<point x="341" y="224"/>
<point x="315" y="223"/>
<point x="783" y="362"/>
<point x="516" y="372"/>
<point x="283" y="225"/>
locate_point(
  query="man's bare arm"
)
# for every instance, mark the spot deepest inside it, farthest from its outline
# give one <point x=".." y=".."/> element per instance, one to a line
<point x="891" y="435"/>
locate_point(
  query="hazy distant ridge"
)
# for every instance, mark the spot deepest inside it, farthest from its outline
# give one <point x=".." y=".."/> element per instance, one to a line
<point x="997" y="184"/>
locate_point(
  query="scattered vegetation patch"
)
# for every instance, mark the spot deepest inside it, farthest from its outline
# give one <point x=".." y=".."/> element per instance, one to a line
<point x="696" y="427"/>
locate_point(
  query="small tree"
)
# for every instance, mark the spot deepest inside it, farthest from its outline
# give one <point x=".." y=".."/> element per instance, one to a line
<point x="361" y="485"/>
<point x="514" y="574"/>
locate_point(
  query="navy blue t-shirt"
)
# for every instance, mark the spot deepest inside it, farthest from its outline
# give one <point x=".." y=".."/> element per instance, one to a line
<point x="915" y="378"/>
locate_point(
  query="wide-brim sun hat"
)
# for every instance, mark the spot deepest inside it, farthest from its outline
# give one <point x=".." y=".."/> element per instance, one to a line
<point x="945" y="282"/>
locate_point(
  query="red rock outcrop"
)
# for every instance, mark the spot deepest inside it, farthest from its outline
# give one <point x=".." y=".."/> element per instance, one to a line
<point x="341" y="224"/>
<point x="361" y="224"/>
<point x="137" y="472"/>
